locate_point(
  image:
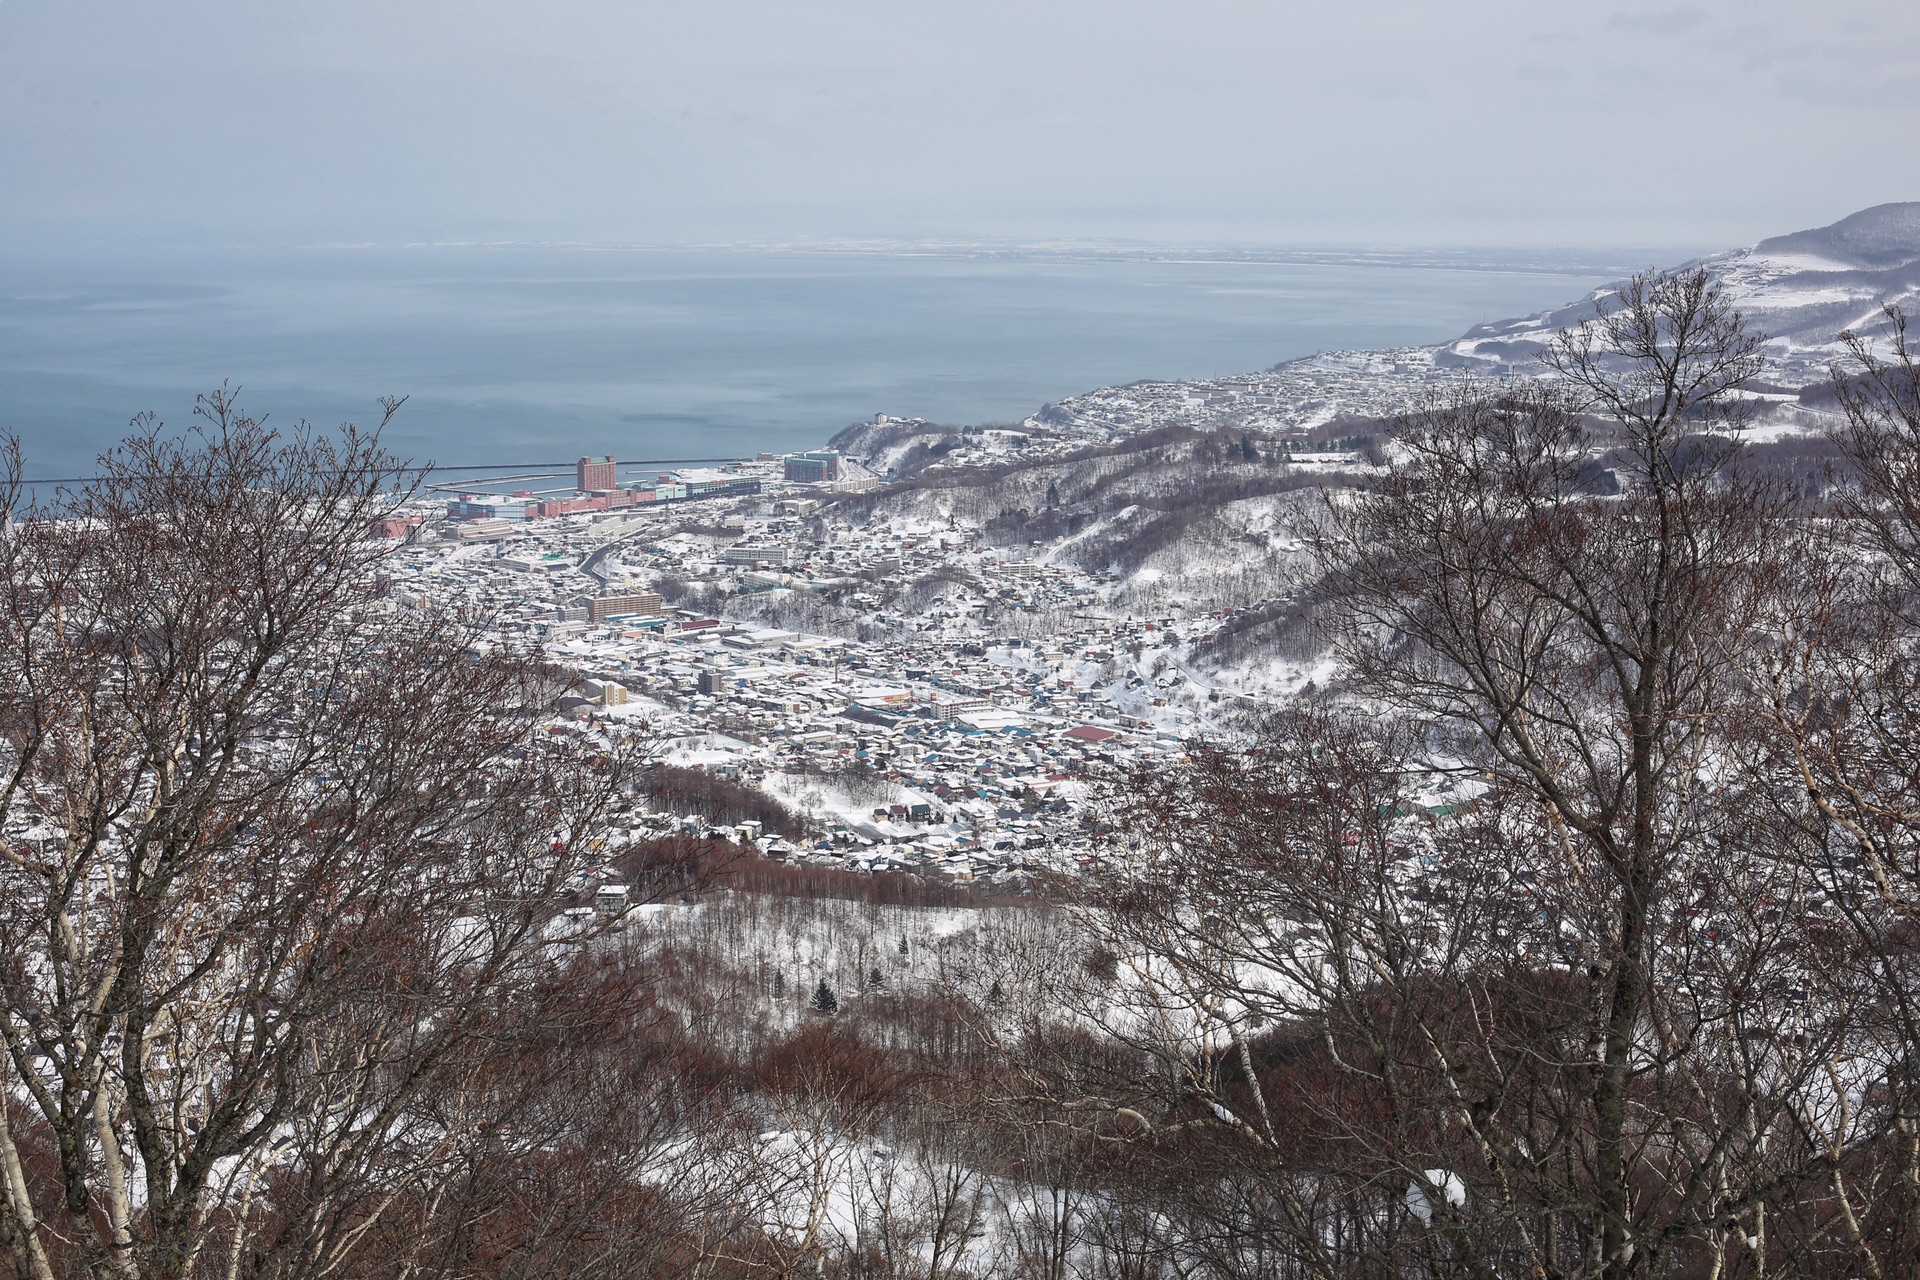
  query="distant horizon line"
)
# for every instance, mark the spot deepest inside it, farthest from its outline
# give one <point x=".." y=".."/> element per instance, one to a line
<point x="1518" y="259"/>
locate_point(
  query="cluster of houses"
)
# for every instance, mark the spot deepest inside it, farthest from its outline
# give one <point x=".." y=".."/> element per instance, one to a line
<point x="946" y="732"/>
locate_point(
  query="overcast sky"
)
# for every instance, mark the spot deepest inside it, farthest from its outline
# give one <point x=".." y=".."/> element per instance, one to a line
<point x="1245" y="121"/>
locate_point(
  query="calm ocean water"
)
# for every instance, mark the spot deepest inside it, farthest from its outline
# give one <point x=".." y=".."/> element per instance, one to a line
<point x="520" y="355"/>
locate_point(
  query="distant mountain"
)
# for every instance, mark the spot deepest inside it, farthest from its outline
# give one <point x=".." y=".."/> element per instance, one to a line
<point x="1800" y="289"/>
<point x="1883" y="237"/>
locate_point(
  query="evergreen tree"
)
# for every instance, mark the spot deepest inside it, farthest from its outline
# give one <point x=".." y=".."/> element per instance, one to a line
<point x="824" y="1001"/>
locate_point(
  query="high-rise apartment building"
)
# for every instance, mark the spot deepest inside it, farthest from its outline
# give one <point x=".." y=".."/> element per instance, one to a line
<point x="596" y="475"/>
<point x="813" y="467"/>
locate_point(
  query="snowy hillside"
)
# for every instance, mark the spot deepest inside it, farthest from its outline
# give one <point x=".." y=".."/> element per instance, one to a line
<point x="1169" y="499"/>
<point x="1800" y="289"/>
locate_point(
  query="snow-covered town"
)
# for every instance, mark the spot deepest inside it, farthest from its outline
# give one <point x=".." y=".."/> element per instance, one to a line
<point x="760" y="641"/>
<point x="956" y="739"/>
<point x="927" y="643"/>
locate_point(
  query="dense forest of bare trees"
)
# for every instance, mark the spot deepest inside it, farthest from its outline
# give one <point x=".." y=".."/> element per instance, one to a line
<point x="1575" y="933"/>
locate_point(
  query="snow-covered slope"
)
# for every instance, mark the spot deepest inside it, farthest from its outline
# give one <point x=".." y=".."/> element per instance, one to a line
<point x="1880" y="238"/>
<point x="1800" y="290"/>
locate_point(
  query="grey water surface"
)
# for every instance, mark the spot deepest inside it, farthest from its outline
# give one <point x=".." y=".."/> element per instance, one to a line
<point x="527" y="355"/>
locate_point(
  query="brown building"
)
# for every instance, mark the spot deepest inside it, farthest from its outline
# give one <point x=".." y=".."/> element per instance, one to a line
<point x="647" y="603"/>
<point x="596" y="475"/>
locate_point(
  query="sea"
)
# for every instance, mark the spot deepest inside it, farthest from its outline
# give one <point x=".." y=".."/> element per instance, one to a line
<point x="510" y="356"/>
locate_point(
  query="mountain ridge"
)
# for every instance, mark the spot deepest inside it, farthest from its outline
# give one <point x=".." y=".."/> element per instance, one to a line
<point x="1800" y="289"/>
<point x="1885" y="235"/>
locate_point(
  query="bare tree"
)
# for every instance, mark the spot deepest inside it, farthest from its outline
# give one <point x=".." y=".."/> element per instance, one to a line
<point x="828" y="1095"/>
<point x="281" y="869"/>
<point x="1843" y="686"/>
<point x="1846" y="675"/>
<point x="1585" y="647"/>
<point x="1384" y="1016"/>
<point x="918" y="1206"/>
<point x="1581" y="1021"/>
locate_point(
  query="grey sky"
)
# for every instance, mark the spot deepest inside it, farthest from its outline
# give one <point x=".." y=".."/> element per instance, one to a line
<point x="631" y="121"/>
